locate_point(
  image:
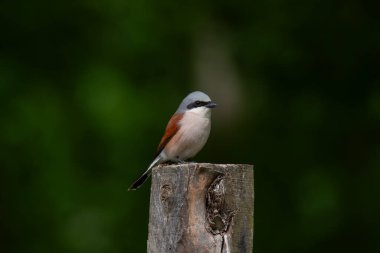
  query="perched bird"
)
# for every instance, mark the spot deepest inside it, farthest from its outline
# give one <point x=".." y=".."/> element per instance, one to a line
<point x="185" y="135"/>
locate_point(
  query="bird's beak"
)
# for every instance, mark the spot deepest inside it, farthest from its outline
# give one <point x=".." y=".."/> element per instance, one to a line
<point x="210" y="105"/>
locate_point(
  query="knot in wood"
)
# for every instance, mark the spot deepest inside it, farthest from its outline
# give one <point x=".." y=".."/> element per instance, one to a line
<point x="165" y="192"/>
<point x="166" y="197"/>
<point x="215" y="194"/>
<point x="218" y="218"/>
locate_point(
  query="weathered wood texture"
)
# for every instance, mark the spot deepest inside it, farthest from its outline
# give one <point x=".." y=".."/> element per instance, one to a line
<point x="201" y="207"/>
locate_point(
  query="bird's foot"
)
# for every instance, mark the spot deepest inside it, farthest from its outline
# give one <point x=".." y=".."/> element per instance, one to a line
<point x="178" y="161"/>
<point x="169" y="163"/>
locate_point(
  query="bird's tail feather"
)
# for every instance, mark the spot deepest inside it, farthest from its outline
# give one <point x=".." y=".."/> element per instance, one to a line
<point x="145" y="175"/>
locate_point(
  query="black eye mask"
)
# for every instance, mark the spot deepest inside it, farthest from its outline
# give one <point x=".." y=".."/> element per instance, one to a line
<point x="197" y="104"/>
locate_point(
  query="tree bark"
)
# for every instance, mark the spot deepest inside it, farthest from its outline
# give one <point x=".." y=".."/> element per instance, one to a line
<point x="201" y="207"/>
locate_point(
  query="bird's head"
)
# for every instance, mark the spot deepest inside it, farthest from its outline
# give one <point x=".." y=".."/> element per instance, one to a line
<point x="197" y="102"/>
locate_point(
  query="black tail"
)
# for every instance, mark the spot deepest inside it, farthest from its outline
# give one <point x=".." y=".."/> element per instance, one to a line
<point x="139" y="181"/>
<point x="145" y="176"/>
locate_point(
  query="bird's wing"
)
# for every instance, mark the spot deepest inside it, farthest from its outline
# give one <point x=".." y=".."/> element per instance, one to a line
<point x="170" y="131"/>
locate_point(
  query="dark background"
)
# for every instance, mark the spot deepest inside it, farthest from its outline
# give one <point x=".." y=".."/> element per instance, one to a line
<point x="87" y="87"/>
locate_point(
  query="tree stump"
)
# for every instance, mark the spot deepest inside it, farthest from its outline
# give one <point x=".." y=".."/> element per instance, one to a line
<point x="201" y="207"/>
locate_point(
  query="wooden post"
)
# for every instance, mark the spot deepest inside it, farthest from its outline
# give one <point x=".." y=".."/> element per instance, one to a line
<point x="201" y="208"/>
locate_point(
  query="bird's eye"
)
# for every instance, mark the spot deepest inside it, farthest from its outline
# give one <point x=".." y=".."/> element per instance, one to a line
<point x="198" y="102"/>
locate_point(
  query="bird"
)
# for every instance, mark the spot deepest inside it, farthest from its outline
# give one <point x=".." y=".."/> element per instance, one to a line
<point x="185" y="135"/>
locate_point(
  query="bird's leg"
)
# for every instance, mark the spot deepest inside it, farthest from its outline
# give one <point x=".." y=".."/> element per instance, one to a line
<point x="180" y="161"/>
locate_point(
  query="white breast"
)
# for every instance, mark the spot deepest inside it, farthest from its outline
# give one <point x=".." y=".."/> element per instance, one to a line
<point x="193" y="134"/>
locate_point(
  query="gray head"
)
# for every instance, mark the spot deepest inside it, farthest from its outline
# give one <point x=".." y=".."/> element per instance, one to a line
<point x="194" y="100"/>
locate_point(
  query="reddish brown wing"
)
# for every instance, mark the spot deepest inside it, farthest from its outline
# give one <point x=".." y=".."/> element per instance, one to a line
<point x="170" y="131"/>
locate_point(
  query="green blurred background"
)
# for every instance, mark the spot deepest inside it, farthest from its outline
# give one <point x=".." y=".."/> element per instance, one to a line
<point x="87" y="87"/>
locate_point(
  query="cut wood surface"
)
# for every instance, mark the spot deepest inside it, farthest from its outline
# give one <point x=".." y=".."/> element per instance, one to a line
<point x="201" y="207"/>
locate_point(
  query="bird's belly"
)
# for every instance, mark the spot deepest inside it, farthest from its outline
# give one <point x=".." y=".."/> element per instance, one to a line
<point x="190" y="139"/>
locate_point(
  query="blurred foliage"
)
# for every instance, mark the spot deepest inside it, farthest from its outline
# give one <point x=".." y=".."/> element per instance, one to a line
<point x="87" y="87"/>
